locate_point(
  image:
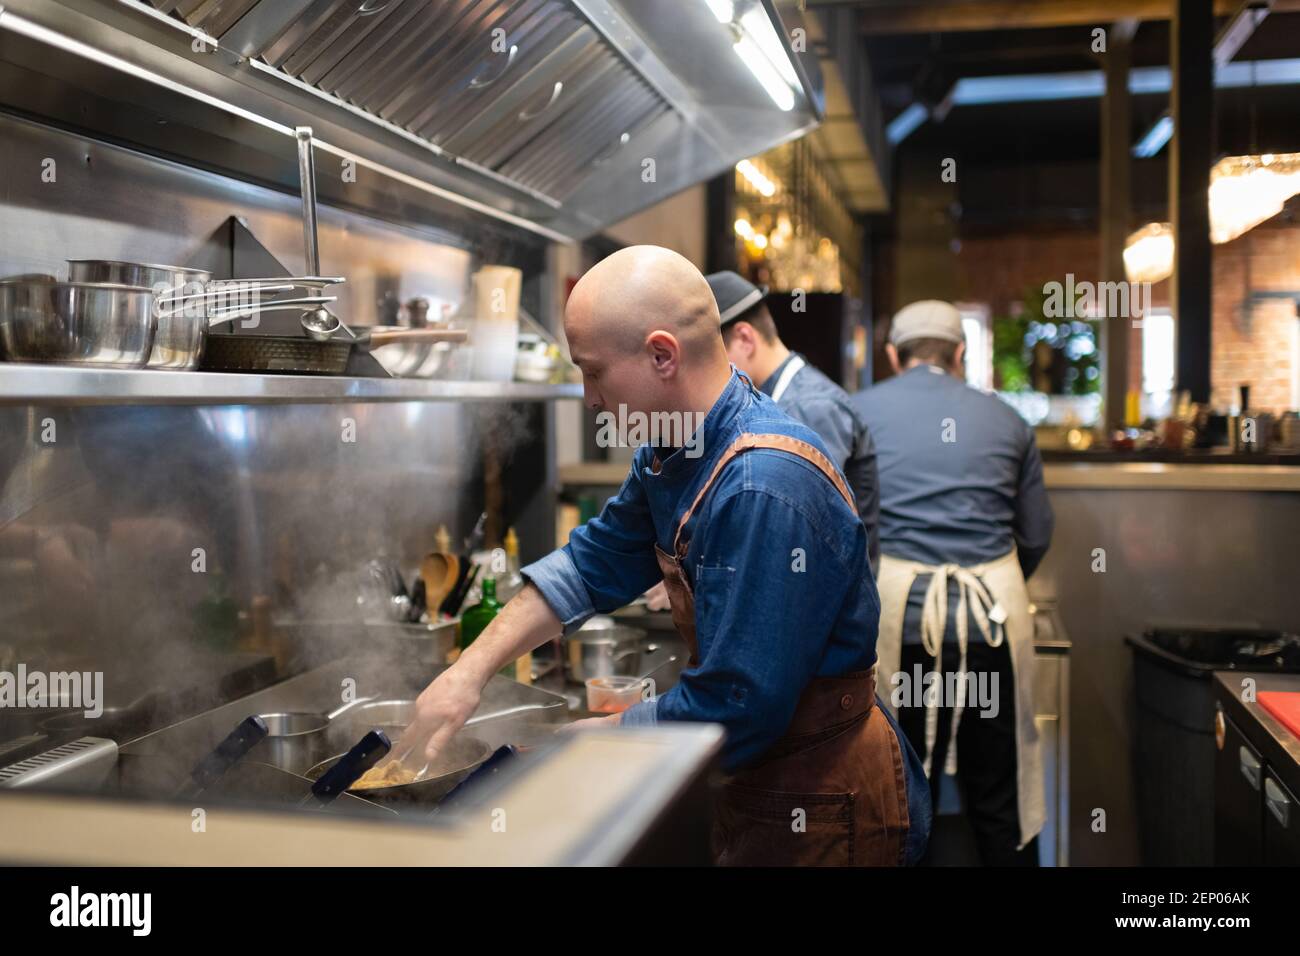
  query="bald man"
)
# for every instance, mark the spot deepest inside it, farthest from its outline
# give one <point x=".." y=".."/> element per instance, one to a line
<point x="756" y="536"/>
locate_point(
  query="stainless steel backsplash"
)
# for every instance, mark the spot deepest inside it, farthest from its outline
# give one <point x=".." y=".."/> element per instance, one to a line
<point x="105" y="512"/>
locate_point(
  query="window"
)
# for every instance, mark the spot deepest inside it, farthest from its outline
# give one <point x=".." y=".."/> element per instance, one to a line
<point x="1158" y="362"/>
<point x="976" y="325"/>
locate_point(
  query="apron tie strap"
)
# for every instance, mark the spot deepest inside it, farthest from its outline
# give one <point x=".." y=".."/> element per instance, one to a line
<point x="974" y="600"/>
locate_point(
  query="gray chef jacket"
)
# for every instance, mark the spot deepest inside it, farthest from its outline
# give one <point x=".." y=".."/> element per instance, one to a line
<point x="816" y="401"/>
<point x="965" y="500"/>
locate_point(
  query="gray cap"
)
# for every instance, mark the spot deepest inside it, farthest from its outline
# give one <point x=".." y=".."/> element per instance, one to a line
<point x="927" y="319"/>
<point x="736" y="295"/>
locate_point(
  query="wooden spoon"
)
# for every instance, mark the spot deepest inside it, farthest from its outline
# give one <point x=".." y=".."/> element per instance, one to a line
<point x="440" y="573"/>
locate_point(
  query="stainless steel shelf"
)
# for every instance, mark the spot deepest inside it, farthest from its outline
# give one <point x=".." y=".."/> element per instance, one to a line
<point x="53" y="385"/>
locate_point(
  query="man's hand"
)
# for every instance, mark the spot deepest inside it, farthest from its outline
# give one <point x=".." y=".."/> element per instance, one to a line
<point x="656" y="599"/>
<point x="443" y="707"/>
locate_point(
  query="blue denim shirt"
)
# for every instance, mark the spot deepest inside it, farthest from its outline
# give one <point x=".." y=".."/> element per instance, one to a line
<point x="777" y="562"/>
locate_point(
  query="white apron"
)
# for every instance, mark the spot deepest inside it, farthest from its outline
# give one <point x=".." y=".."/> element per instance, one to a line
<point x="1003" y="599"/>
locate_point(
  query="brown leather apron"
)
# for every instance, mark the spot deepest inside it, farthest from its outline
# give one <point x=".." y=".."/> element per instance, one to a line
<point x="832" y="790"/>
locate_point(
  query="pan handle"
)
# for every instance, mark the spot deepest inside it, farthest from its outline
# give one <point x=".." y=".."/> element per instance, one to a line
<point x="377" y="338"/>
<point x="301" y="282"/>
<point x="217" y="316"/>
<point x="351" y="767"/>
<point x="344" y="708"/>
<point x="250" y="732"/>
<point x="174" y="300"/>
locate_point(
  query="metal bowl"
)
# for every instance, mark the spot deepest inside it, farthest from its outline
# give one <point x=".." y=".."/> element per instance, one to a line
<point x="76" y="323"/>
<point x="462" y="756"/>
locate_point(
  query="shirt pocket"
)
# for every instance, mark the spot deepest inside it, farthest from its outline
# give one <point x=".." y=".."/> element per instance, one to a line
<point x="713" y="585"/>
<point x="757" y="827"/>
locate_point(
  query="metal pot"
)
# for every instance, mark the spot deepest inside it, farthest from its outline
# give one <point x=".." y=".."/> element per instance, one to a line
<point x="76" y="323"/>
<point x="602" y="650"/>
<point x="294" y="739"/>
<point x="146" y="274"/>
<point x="297" y="739"/>
<point x="186" y="301"/>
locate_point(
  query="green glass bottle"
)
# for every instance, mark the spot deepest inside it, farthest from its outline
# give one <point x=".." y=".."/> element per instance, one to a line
<point x="480" y="615"/>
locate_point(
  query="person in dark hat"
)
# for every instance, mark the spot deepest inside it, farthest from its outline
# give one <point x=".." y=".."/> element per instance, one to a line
<point x="801" y="391"/>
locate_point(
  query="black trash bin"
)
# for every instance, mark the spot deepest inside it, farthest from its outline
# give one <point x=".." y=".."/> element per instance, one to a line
<point x="1175" y="730"/>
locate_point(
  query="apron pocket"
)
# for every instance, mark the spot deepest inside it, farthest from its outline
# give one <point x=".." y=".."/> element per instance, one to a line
<point x="757" y="827"/>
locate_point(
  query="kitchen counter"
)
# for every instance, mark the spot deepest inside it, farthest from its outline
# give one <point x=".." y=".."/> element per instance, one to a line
<point x="1256" y="775"/>
<point x="1278" y="746"/>
<point x="1170" y="476"/>
<point x="1074" y="472"/>
<point x="602" y="797"/>
<point x="1191" y="456"/>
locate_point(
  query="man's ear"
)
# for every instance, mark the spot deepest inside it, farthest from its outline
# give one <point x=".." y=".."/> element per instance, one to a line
<point x="959" y="359"/>
<point x="747" y="336"/>
<point x="664" y="351"/>
<point x="892" y="354"/>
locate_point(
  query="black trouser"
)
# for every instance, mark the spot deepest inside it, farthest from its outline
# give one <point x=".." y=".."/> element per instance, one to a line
<point x="986" y="751"/>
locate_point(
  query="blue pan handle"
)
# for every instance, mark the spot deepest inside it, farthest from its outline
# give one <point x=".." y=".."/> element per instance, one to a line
<point x="250" y="732"/>
<point x="351" y="766"/>
<point x="500" y="756"/>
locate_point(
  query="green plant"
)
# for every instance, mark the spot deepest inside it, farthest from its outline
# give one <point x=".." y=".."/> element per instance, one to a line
<point x="1014" y="337"/>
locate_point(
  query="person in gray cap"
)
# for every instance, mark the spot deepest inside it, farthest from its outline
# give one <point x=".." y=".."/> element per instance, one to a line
<point x="801" y="391"/>
<point x="964" y="520"/>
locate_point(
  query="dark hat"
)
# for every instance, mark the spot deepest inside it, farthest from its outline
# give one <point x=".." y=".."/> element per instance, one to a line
<point x="736" y="295"/>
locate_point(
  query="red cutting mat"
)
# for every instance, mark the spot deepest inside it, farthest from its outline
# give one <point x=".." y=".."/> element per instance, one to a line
<point x="1284" y="705"/>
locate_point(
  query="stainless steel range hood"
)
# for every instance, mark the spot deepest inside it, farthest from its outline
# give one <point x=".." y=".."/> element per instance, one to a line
<point x="572" y="114"/>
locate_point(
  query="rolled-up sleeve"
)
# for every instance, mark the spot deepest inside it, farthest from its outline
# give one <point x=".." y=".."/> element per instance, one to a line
<point x="644" y="714"/>
<point x="607" y="562"/>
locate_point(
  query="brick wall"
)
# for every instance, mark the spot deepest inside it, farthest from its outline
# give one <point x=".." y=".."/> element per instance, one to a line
<point x="1255" y="344"/>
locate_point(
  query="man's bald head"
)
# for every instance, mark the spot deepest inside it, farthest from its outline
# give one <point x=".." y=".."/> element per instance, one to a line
<point x="642" y="325"/>
<point x="641" y="289"/>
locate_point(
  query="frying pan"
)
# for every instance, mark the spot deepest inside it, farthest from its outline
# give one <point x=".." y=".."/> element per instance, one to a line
<point x="294" y="354"/>
<point x="461" y="757"/>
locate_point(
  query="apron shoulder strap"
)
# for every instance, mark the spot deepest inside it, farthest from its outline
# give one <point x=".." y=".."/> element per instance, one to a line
<point x="749" y="441"/>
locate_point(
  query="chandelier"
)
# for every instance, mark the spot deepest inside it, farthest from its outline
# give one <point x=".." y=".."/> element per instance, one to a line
<point x="1246" y="190"/>
<point x="1149" y="253"/>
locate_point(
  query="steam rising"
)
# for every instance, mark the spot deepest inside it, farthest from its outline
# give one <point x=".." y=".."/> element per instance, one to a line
<point x="137" y="543"/>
